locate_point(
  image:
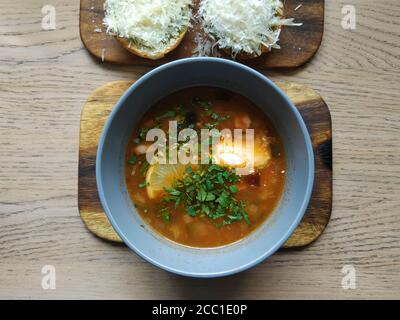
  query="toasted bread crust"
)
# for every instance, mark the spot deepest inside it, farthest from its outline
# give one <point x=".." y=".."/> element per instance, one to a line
<point x="126" y="43"/>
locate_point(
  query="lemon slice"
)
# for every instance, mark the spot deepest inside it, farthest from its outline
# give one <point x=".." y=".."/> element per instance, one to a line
<point x="160" y="176"/>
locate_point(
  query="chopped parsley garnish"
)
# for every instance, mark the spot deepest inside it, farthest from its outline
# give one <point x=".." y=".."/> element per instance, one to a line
<point x="144" y="167"/>
<point x="132" y="161"/>
<point x="209" y="191"/>
<point x="215" y="118"/>
<point x="167" y="115"/>
<point x="141" y="136"/>
<point x="142" y="185"/>
<point x="165" y="214"/>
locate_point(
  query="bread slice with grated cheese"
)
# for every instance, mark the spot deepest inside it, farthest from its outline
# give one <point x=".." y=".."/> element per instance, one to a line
<point x="148" y="28"/>
<point x="245" y="28"/>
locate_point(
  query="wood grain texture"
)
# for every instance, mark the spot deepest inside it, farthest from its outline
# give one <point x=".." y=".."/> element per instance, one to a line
<point x="298" y="44"/>
<point x="311" y="106"/>
<point x="45" y="79"/>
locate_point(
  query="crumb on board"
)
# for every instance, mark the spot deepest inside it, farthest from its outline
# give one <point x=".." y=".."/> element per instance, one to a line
<point x="205" y="47"/>
<point x="98" y="30"/>
<point x="298" y="7"/>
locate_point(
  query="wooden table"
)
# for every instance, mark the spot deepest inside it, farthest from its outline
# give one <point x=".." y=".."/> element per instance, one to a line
<point x="46" y="76"/>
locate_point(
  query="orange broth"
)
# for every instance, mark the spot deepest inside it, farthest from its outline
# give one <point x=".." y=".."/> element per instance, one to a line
<point x="261" y="190"/>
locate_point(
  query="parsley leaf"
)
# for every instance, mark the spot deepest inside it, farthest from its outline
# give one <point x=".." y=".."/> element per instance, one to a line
<point x="132" y="161"/>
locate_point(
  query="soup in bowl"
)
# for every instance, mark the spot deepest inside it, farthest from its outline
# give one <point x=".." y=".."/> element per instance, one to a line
<point x="210" y="203"/>
<point x="204" y="167"/>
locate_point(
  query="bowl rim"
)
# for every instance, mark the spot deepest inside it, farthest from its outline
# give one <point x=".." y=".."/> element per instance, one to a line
<point x="310" y="177"/>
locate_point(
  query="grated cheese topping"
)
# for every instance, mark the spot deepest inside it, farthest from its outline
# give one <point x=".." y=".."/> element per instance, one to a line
<point x="151" y="25"/>
<point x="245" y="26"/>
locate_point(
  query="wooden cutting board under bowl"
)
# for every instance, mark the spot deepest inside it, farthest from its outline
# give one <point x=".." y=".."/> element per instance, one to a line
<point x="312" y="108"/>
<point x="298" y="44"/>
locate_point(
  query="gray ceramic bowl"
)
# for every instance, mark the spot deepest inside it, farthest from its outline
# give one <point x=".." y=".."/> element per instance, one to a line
<point x="124" y="118"/>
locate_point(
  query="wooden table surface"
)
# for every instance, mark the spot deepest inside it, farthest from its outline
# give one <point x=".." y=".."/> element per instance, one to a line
<point x="45" y="78"/>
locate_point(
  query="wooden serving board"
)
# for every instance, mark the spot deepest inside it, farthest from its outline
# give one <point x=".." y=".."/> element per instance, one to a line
<point x="298" y="44"/>
<point x="311" y="106"/>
